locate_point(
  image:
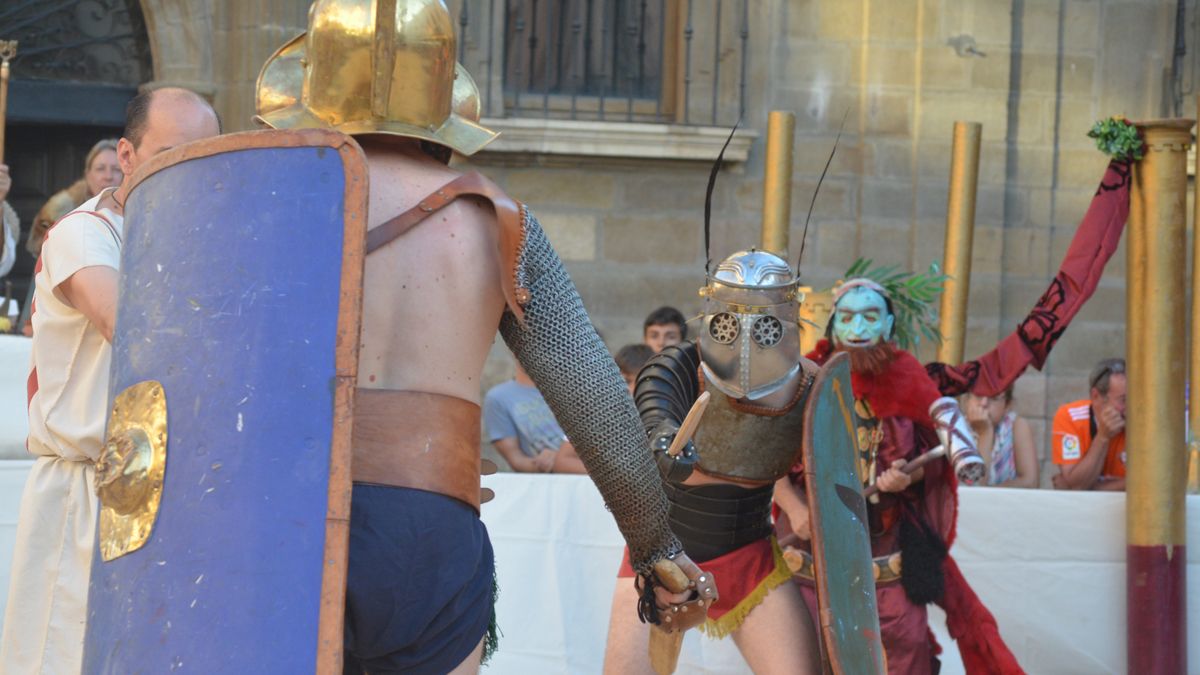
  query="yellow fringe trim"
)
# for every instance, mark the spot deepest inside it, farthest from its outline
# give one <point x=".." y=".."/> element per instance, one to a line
<point x="733" y="619"/>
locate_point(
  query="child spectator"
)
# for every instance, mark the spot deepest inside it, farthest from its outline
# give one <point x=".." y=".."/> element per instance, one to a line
<point x="630" y="360"/>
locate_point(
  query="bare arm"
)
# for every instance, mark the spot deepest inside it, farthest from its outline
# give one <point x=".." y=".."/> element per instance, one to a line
<point x="1083" y="474"/>
<point x="93" y="291"/>
<point x="896" y="480"/>
<point x="566" y="460"/>
<point x="792" y="501"/>
<point x="985" y="438"/>
<point x="510" y="449"/>
<point x="1024" y="456"/>
<point x="1111" y="485"/>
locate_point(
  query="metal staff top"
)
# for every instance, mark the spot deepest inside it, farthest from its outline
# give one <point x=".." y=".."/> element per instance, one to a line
<point x="8" y="51"/>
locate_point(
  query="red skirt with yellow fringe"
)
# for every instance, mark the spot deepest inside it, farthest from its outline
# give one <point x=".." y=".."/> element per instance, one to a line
<point x="744" y="577"/>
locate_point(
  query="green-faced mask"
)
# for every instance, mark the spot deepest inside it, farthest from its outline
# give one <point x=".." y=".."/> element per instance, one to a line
<point x="861" y="319"/>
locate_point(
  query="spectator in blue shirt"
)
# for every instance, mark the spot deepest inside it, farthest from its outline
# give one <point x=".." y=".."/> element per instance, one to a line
<point x="523" y="430"/>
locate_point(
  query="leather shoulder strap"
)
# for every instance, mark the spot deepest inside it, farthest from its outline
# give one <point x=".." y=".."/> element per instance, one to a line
<point x="508" y="215"/>
<point x="112" y="229"/>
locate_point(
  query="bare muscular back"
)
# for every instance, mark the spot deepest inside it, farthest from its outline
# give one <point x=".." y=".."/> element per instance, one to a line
<point x="432" y="300"/>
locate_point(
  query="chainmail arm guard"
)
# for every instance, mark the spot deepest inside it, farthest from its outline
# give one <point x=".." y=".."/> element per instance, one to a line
<point x="557" y="346"/>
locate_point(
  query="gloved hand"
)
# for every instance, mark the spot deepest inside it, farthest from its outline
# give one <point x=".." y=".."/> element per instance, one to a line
<point x="678" y="596"/>
<point x="677" y="468"/>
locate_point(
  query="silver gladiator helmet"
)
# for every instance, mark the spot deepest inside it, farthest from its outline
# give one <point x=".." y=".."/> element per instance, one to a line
<point x="750" y="341"/>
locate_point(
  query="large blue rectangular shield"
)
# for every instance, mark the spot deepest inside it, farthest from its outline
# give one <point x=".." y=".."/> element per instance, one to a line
<point x="225" y="484"/>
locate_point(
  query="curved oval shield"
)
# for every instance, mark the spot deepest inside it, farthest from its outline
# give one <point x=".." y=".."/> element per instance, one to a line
<point x="240" y="293"/>
<point x="841" y="543"/>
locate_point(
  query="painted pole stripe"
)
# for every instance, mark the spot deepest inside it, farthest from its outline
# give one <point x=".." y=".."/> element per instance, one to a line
<point x="1157" y="610"/>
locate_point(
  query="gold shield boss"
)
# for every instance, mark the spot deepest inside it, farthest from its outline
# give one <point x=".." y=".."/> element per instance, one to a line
<point x="374" y="67"/>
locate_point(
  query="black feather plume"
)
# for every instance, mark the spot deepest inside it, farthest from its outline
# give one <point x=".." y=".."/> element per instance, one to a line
<point x="804" y="235"/>
<point x="712" y="183"/>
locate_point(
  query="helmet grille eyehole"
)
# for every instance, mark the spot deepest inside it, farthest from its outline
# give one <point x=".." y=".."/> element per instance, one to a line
<point x="767" y="331"/>
<point x="724" y="328"/>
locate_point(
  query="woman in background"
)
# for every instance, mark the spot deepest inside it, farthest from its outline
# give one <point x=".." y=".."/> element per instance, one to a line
<point x="1004" y="439"/>
<point x="100" y="170"/>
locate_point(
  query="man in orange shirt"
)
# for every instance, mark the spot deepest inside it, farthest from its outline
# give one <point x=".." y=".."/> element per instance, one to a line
<point x="1088" y="441"/>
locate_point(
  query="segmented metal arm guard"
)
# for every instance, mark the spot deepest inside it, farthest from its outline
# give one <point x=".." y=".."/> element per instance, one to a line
<point x="666" y="389"/>
<point x="560" y="350"/>
<point x="668" y="385"/>
<point x="957" y="439"/>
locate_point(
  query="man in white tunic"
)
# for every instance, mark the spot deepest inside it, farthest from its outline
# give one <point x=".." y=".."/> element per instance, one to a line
<point x="74" y="310"/>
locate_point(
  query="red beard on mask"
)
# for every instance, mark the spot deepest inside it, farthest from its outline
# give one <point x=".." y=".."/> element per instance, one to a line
<point x="871" y="361"/>
<point x="900" y="387"/>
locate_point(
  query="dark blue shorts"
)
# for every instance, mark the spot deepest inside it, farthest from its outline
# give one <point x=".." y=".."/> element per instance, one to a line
<point x="419" y="592"/>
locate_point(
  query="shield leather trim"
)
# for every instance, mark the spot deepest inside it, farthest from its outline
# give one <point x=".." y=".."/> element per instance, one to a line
<point x="337" y="519"/>
<point x="849" y="618"/>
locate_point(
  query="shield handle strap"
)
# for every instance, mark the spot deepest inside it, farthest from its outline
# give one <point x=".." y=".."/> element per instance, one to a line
<point x="508" y="214"/>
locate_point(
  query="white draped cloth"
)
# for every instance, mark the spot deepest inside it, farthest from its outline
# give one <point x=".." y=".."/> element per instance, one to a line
<point x="1050" y="566"/>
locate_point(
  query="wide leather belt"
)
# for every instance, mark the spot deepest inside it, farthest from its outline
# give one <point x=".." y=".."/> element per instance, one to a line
<point x="712" y="520"/>
<point x="886" y="568"/>
<point x="417" y="440"/>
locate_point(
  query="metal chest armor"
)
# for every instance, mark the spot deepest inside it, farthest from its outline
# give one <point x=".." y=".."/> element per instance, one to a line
<point x="748" y="443"/>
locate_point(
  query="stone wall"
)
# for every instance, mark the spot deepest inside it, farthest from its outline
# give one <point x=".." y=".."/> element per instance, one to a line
<point x="1035" y="73"/>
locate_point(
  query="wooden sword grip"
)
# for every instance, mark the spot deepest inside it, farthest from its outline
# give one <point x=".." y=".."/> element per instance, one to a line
<point x="688" y="428"/>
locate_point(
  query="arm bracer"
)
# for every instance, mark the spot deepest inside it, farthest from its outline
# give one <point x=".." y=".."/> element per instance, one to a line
<point x="668" y="385"/>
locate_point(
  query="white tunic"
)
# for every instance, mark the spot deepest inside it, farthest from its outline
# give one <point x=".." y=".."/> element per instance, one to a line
<point x="68" y="392"/>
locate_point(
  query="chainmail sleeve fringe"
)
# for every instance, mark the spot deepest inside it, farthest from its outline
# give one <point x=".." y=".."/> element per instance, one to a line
<point x="560" y="350"/>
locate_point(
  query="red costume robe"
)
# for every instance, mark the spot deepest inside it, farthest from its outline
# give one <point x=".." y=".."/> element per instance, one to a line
<point x="900" y="398"/>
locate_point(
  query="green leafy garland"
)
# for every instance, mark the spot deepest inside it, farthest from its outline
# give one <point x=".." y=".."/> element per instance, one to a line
<point x="1118" y="138"/>
<point x="912" y="295"/>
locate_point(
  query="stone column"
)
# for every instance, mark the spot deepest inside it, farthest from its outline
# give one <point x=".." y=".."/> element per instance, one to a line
<point x="960" y="234"/>
<point x="1156" y="614"/>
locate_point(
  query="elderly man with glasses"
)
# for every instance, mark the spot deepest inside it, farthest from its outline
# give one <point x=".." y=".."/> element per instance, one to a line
<point x="1088" y="441"/>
